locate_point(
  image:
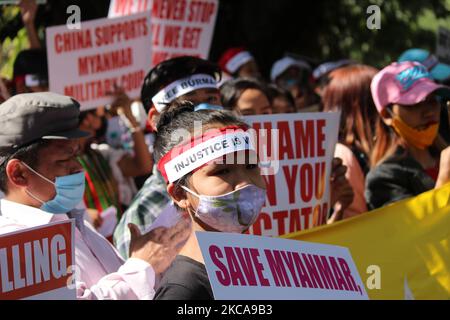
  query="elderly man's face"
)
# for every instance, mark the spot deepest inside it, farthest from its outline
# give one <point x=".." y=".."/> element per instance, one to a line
<point x="58" y="159"/>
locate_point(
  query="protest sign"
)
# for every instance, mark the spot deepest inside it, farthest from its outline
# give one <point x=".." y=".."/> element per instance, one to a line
<point x="86" y="63"/>
<point x="179" y="27"/>
<point x="443" y="45"/>
<point x="245" y="267"/>
<point x="35" y="263"/>
<point x="401" y="248"/>
<point x="295" y="152"/>
<point x="119" y="8"/>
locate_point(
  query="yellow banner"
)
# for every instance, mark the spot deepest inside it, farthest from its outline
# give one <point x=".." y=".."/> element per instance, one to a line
<point x="402" y="251"/>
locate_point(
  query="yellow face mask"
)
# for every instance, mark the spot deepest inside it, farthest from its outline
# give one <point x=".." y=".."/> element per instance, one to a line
<point x="420" y="139"/>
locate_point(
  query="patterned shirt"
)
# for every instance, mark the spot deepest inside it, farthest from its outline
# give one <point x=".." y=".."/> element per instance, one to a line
<point x="146" y="206"/>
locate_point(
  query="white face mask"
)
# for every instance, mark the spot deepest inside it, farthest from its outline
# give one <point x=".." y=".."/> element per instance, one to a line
<point x="235" y="211"/>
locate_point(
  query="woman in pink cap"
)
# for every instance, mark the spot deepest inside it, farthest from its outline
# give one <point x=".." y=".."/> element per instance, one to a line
<point x="409" y="157"/>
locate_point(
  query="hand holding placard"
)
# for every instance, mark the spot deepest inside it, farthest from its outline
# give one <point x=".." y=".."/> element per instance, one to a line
<point x="341" y="192"/>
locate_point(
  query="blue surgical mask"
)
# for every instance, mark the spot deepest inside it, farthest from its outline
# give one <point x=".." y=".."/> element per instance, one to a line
<point x="234" y="212"/>
<point x="207" y="106"/>
<point x="289" y="83"/>
<point x="69" y="192"/>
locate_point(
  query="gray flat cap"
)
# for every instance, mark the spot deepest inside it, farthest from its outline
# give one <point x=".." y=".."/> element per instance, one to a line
<point x="28" y="117"/>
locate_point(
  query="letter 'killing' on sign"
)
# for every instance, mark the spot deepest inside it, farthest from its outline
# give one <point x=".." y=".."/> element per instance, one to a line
<point x="35" y="262"/>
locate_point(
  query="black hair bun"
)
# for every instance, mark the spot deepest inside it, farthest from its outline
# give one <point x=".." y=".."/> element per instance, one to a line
<point x="173" y="111"/>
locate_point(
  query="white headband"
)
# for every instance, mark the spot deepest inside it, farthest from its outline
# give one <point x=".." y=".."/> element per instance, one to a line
<point x="238" y="60"/>
<point x="205" y="152"/>
<point x="182" y="87"/>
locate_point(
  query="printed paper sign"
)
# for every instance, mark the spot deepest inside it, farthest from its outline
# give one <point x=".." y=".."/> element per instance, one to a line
<point x="86" y="63"/>
<point x="179" y="27"/>
<point x="245" y="267"/>
<point x="443" y="45"/>
<point x="295" y="151"/>
<point x="35" y="263"/>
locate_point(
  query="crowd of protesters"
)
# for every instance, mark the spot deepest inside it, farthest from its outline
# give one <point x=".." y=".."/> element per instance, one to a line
<point x="58" y="163"/>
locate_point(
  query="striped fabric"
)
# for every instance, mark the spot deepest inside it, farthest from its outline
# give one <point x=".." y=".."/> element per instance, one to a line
<point x="101" y="188"/>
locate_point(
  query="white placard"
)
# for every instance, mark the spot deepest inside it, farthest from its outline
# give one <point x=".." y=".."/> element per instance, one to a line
<point x="86" y="63"/>
<point x="295" y="152"/>
<point x="245" y="267"/>
<point x="179" y="27"/>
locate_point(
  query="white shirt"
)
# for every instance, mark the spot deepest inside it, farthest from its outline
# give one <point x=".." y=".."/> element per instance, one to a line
<point x="102" y="272"/>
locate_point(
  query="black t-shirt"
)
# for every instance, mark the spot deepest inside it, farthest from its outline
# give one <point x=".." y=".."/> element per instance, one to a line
<point x="363" y="160"/>
<point x="186" y="279"/>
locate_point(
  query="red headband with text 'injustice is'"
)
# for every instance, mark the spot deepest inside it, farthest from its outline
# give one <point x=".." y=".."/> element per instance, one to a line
<point x="199" y="150"/>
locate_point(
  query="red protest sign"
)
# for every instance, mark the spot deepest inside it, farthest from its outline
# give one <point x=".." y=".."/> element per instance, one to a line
<point x="35" y="263"/>
<point x="87" y="63"/>
<point x="118" y="8"/>
<point x="178" y="27"/>
<point x="295" y="154"/>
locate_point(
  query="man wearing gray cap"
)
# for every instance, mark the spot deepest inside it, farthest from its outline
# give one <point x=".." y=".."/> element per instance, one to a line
<point x="44" y="183"/>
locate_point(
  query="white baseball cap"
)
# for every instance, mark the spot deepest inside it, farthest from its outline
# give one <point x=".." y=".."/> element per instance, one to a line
<point x="285" y="63"/>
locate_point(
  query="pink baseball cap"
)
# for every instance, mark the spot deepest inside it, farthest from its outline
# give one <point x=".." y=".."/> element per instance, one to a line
<point x="404" y="83"/>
